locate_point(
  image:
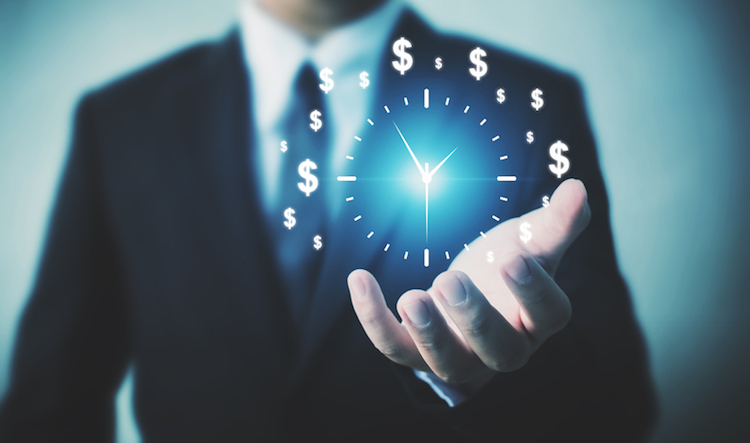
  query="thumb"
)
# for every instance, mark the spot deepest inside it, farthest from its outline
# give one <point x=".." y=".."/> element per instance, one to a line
<point x="555" y="227"/>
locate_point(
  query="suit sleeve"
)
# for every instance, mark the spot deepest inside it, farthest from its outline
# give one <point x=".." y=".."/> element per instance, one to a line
<point x="72" y="345"/>
<point x="591" y="381"/>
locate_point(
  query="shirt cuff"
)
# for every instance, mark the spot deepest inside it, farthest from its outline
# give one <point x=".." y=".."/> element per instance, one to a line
<point x="452" y="394"/>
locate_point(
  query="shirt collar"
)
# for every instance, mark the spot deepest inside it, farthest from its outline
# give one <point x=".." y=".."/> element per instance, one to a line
<point x="274" y="52"/>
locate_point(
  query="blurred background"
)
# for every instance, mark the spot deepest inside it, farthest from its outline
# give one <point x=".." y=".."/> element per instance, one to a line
<point x="666" y="85"/>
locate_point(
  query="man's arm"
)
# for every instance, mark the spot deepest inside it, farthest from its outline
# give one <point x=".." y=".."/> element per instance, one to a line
<point x="73" y="345"/>
<point x="589" y="380"/>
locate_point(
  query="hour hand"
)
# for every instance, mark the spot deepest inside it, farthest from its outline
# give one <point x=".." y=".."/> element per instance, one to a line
<point x="414" y="157"/>
<point x="441" y="163"/>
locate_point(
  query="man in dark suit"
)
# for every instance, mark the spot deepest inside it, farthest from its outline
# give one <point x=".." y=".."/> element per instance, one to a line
<point x="158" y="255"/>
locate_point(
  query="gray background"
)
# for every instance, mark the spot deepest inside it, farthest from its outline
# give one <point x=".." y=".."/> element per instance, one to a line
<point x="666" y="85"/>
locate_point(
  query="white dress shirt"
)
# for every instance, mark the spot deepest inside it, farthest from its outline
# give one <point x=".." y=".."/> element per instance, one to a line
<point x="274" y="53"/>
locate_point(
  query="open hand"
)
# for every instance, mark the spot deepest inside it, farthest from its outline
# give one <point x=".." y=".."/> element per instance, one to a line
<point x="479" y="317"/>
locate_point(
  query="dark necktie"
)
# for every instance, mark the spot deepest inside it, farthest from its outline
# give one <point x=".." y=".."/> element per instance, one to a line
<point x="302" y="196"/>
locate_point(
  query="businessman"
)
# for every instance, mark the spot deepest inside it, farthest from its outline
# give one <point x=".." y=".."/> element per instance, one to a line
<point x="166" y="251"/>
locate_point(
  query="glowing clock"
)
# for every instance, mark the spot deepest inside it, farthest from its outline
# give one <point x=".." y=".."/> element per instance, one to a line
<point x="428" y="175"/>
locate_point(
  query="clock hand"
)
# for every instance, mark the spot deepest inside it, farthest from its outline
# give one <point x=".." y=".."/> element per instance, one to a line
<point x="441" y="163"/>
<point x="426" y="178"/>
<point x="414" y="157"/>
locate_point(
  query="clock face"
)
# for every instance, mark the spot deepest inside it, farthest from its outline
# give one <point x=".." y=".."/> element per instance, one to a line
<point x="430" y="172"/>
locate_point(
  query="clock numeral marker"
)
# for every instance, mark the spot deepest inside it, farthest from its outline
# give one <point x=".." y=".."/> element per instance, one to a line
<point x="426" y="98"/>
<point x="426" y="258"/>
<point x="347" y="178"/>
<point x="506" y="178"/>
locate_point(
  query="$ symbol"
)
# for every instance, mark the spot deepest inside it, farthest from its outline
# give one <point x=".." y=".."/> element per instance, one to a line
<point x="525" y="233"/>
<point x="327" y="84"/>
<point x="290" y="220"/>
<point x="536" y="94"/>
<point x="283" y="146"/>
<point x="311" y="181"/>
<point x="545" y="201"/>
<point x="490" y="257"/>
<point x="481" y="67"/>
<point x="438" y="63"/>
<point x="405" y="59"/>
<point x="562" y="165"/>
<point x="529" y="137"/>
<point x="317" y="243"/>
<point x="316" y="122"/>
<point x="365" y="82"/>
<point x="500" y="95"/>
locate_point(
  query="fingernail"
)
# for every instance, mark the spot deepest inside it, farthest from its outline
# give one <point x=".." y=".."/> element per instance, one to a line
<point x="418" y="313"/>
<point x="453" y="291"/>
<point x="358" y="288"/>
<point x="518" y="270"/>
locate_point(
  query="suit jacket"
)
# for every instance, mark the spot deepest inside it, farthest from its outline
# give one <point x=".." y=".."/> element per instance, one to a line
<point x="156" y="255"/>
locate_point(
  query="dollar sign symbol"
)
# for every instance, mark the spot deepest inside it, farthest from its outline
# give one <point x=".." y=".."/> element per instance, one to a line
<point x="365" y="82"/>
<point x="490" y="257"/>
<point x="536" y="95"/>
<point x="290" y="220"/>
<point x="438" y="63"/>
<point x="562" y="165"/>
<point x="405" y="59"/>
<point x="284" y="146"/>
<point x="525" y="233"/>
<point x="545" y="201"/>
<point x="316" y="122"/>
<point x="327" y="84"/>
<point x="500" y="95"/>
<point x="317" y="243"/>
<point x="480" y="68"/>
<point x="529" y="137"/>
<point x="311" y="181"/>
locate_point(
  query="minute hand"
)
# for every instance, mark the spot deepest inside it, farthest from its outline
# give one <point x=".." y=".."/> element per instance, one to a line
<point x="441" y="163"/>
<point x="414" y="157"/>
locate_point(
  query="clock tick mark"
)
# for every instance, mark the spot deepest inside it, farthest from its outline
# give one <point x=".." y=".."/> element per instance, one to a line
<point x="483" y="122"/>
<point x="504" y="157"/>
<point x="447" y="256"/>
<point x="447" y="100"/>
<point x="406" y="254"/>
<point x="505" y="199"/>
<point x="466" y="109"/>
<point x="387" y="111"/>
<point x="356" y="137"/>
<point x="495" y="138"/>
<point x="406" y="101"/>
<point x="349" y="199"/>
<point x="357" y="218"/>
<point x="387" y="246"/>
<point x="496" y="218"/>
<point x="466" y="246"/>
<point x="370" y="234"/>
<point x="370" y="122"/>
